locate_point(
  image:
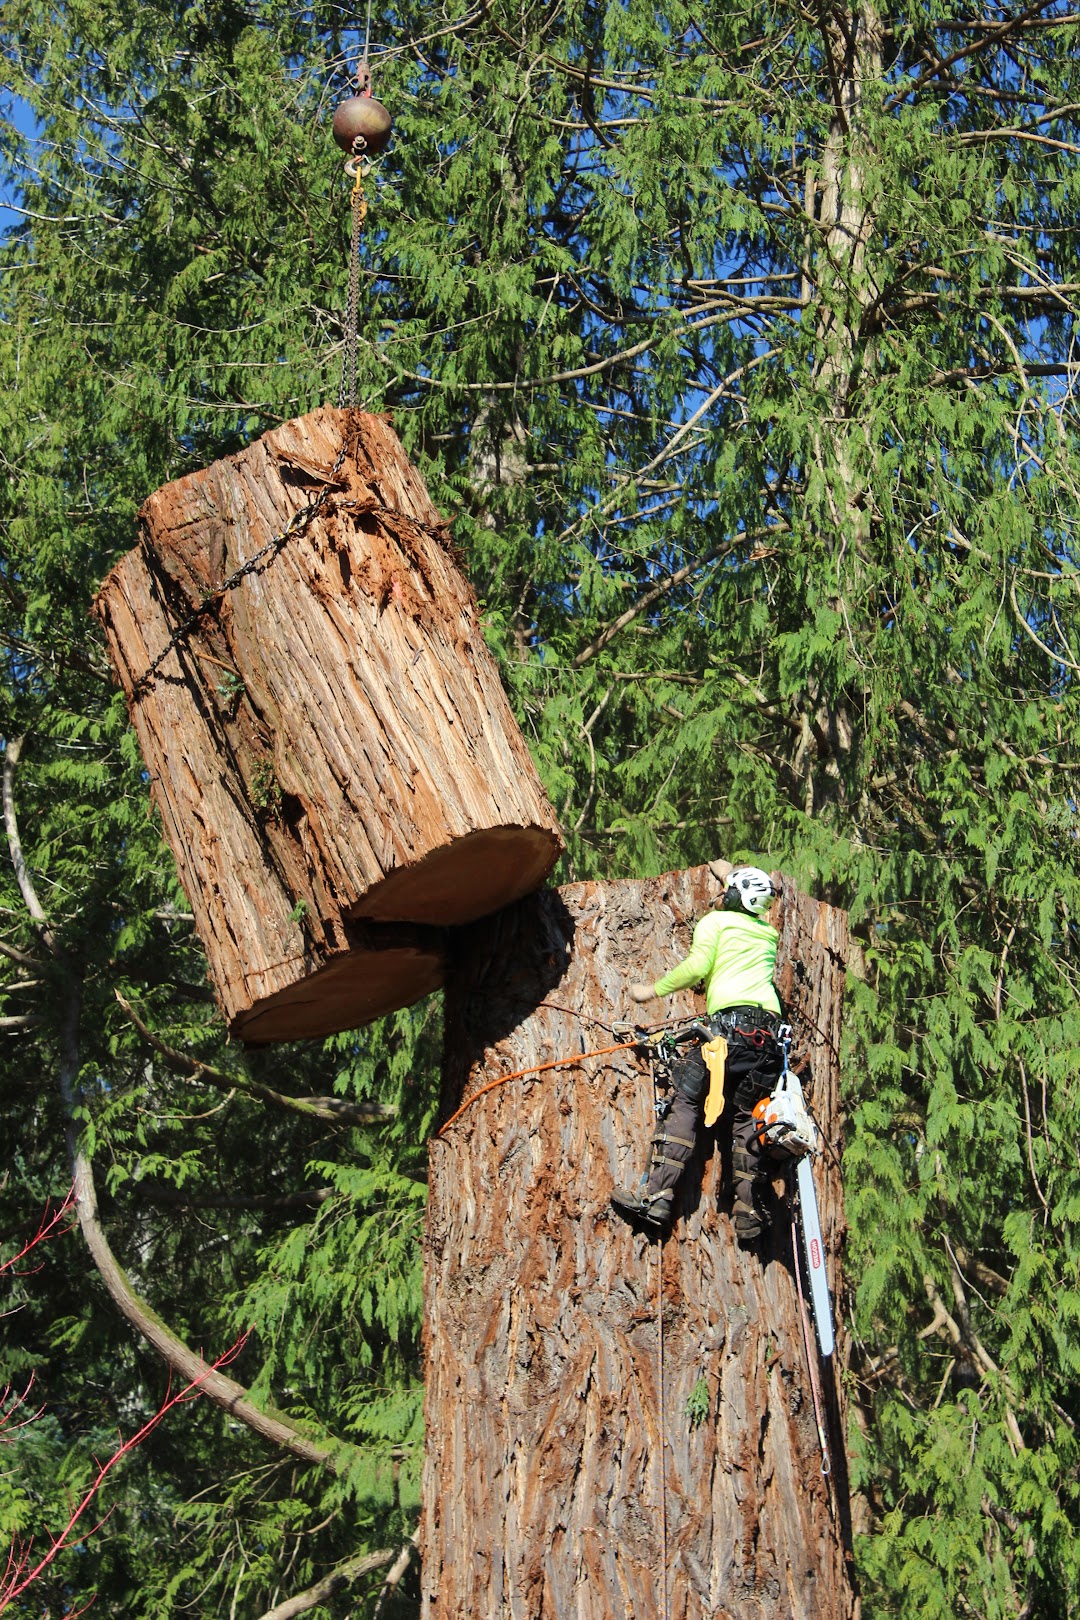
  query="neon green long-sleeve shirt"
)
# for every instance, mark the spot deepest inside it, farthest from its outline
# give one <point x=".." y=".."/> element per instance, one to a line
<point x="735" y="955"/>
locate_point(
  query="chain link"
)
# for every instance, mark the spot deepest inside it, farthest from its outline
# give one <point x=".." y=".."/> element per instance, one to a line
<point x="347" y="389"/>
<point x="298" y="522"/>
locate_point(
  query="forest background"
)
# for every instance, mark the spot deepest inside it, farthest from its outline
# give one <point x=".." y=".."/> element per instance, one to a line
<point x="739" y="343"/>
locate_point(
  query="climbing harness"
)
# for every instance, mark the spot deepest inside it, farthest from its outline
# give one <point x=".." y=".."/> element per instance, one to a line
<point x="362" y="127"/>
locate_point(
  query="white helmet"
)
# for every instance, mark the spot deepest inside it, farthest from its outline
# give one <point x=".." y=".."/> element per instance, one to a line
<point x="751" y="887"/>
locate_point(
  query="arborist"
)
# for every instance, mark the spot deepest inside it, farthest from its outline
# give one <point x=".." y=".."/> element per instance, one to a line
<point x="734" y="952"/>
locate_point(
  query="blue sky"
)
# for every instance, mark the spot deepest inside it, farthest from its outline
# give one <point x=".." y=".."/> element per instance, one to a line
<point x="13" y="110"/>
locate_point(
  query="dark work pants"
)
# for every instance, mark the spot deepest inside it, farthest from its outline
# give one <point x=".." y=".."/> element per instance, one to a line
<point x="676" y="1135"/>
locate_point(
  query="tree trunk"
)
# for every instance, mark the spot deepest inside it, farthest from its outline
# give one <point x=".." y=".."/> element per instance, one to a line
<point x="328" y="742"/>
<point x="559" y="1481"/>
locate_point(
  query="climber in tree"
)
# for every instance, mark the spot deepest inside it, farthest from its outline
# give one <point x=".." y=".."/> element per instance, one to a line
<point x="734" y="953"/>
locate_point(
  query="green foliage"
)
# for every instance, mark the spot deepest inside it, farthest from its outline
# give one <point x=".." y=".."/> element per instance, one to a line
<point x="698" y="1403"/>
<point x="756" y="426"/>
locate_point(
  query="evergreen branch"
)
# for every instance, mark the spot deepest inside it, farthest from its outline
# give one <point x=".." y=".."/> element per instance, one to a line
<point x="763" y="704"/>
<point x="661" y="588"/>
<point x="1057" y="658"/>
<point x="993" y="34"/>
<point x="351" y="1570"/>
<point x="335" y="1110"/>
<point x="178" y="1198"/>
<point x="1030" y="1145"/>
<point x="224" y="1391"/>
<point x="975" y="137"/>
<point x="21" y="957"/>
<point x="523" y="384"/>
<point x="969" y="1344"/>
<point x="655" y="592"/>
<point x="604" y="508"/>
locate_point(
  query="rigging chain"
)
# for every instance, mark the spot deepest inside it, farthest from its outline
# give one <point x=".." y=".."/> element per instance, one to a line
<point x="346" y="401"/>
<point x="347" y="390"/>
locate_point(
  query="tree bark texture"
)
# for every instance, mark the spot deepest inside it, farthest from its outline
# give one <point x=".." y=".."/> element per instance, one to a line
<point x="337" y="767"/>
<point x="564" y="1476"/>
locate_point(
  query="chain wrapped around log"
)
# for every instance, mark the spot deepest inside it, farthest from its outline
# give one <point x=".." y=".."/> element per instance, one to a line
<point x="338" y="770"/>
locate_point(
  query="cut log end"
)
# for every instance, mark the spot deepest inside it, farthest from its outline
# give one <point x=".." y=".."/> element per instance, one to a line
<point x="350" y="990"/>
<point x="472" y="878"/>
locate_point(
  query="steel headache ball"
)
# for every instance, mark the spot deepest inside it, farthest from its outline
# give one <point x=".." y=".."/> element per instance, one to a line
<point x="365" y="118"/>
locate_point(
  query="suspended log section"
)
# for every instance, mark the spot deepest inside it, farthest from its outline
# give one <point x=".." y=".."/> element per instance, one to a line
<point x="559" y="1484"/>
<point x="337" y="767"/>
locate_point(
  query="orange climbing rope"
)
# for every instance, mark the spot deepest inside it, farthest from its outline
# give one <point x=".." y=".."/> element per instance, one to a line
<point x="521" y="1074"/>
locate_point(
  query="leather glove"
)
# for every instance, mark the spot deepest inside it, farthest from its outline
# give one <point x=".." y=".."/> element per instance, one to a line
<point x="642" y="992"/>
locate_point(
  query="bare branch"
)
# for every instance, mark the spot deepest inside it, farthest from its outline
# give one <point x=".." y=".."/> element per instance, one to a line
<point x="521" y="384"/>
<point x="12" y="753"/>
<point x="986" y="1275"/>
<point x="157" y="1194"/>
<point x="1030" y="1146"/>
<point x="395" y="1572"/>
<point x="969" y="1344"/>
<point x="992" y="34"/>
<point x="335" y="1110"/>
<point x="18" y="1577"/>
<point x="661" y="588"/>
<point x="1057" y="658"/>
<point x="653" y="594"/>
<point x="190" y="1365"/>
<point x="343" y="1575"/>
<point x="1067" y="368"/>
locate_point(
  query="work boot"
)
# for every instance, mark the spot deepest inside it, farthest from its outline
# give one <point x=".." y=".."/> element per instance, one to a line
<point x="654" y="1210"/>
<point x="750" y="1222"/>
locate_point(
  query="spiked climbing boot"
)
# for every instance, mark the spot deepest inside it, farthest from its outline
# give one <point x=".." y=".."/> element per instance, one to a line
<point x="672" y="1146"/>
<point x="651" y="1209"/>
<point x="751" y="1221"/>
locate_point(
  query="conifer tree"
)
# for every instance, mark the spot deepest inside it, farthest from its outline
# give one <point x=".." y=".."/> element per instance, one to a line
<point x="739" y="345"/>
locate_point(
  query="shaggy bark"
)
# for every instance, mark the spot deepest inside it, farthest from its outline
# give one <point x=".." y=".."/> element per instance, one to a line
<point x="557" y="1481"/>
<point x="338" y="770"/>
